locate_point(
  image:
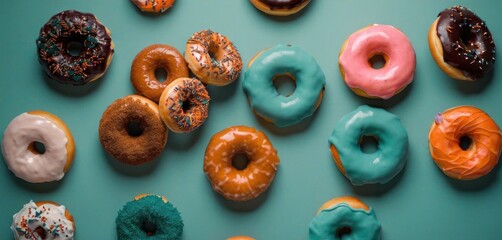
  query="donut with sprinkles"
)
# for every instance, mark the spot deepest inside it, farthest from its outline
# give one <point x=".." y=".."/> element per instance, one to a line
<point x="56" y="43"/>
<point x="461" y="44"/>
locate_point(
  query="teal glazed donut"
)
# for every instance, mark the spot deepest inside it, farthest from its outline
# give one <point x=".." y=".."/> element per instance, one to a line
<point x="149" y="217"/>
<point x="369" y="168"/>
<point x="345" y="221"/>
<point x="284" y="60"/>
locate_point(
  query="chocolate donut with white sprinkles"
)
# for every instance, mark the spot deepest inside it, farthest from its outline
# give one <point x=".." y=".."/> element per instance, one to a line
<point x="467" y="44"/>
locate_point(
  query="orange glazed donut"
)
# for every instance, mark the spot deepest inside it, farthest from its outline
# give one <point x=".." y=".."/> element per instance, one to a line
<point x="148" y="61"/>
<point x="213" y="58"/>
<point x="254" y="179"/>
<point x="153" y="6"/>
<point x="184" y="105"/>
<point x="241" y="238"/>
<point x="459" y="125"/>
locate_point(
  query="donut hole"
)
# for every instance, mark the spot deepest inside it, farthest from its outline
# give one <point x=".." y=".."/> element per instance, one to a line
<point x="240" y="161"/>
<point x="40" y="232"/>
<point x="36" y="147"/>
<point x="214" y="54"/>
<point x="343" y="231"/>
<point x="377" y="61"/>
<point x="285" y="84"/>
<point x="465" y="142"/>
<point x="186" y="106"/>
<point x="467" y="38"/>
<point x="74" y="48"/>
<point x="161" y="74"/>
<point x="368" y="144"/>
<point x="149" y="228"/>
<point x="134" y="128"/>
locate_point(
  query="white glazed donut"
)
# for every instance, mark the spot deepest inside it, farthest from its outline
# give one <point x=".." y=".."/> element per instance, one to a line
<point x="21" y="156"/>
<point x="43" y="220"/>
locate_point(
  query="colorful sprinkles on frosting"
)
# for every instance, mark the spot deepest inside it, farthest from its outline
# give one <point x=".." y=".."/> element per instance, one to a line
<point x="153" y="5"/>
<point x="50" y="218"/>
<point x="193" y="91"/>
<point x="466" y="40"/>
<point x="64" y="28"/>
<point x="203" y="43"/>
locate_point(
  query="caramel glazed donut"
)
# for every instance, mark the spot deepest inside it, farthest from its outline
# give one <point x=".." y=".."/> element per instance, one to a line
<point x="461" y="44"/>
<point x="213" y="58"/>
<point x="59" y="33"/>
<point x="148" y="61"/>
<point x="255" y="178"/>
<point x="240" y="238"/>
<point x="131" y="130"/>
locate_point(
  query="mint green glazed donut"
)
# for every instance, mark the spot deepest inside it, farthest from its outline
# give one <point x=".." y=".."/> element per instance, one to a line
<point x="369" y="168"/>
<point x="363" y="224"/>
<point x="149" y="218"/>
<point x="284" y="60"/>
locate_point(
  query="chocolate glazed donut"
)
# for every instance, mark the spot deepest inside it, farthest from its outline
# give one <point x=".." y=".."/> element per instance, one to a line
<point x="73" y="27"/>
<point x="467" y="43"/>
<point x="280" y="4"/>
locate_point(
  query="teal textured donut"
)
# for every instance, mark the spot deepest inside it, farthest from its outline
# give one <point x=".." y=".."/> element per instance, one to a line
<point x="284" y="60"/>
<point x="149" y="217"/>
<point x="343" y="221"/>
<point x="369" y="168"/>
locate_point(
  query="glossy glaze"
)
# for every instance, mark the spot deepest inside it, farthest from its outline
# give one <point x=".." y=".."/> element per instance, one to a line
<point x="213" y="58"/>
<point x="73" y="26"/>
<point x="250" y="182"/>
<point x="384" y="40"/>
<point x="33" y="167"/>
<point x="240" y="238"/>
<point x="444" y="142"/>
<point x="184" y="91"/>
<point x="51" y="218"/>
<point x="467" y="42"/>
<point x="153" y="6"/>
<point x="282" y="4"/>
<point x="363" y="224"/>
<point x="259" y="87"/>
<point x="148" y="61"/>
<point x="368" y="168"/>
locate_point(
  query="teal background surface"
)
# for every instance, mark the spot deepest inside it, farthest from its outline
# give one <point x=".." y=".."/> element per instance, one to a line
<point x="420" y="203"/>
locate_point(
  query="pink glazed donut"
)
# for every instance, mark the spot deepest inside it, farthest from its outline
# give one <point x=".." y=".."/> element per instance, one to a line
<point x="377" y="40"/>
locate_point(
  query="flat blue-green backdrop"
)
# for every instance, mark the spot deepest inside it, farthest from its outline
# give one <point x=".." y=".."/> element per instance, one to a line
<point x="420" y="203"/>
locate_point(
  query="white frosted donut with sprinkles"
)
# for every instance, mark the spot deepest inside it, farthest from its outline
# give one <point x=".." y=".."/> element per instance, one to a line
<point x="25" y="160"/>
<point x="43" y="220"/>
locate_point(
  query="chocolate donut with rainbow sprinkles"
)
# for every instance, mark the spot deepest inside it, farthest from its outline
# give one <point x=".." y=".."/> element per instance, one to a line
<point x="74" y="47"/>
